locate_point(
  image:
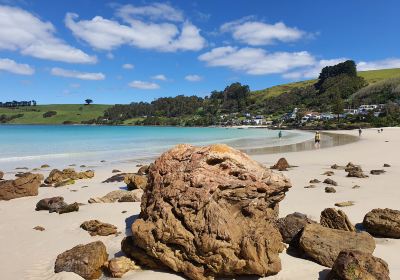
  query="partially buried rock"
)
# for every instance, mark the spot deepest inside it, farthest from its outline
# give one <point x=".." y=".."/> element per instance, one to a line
<point x="134" y="181"/>
<point x="84" y="260"/>
<point x="209" y="212"/>
<point x="39" y="228"/>
<point x="324" y="244"/>
<point x="354" y="264"/>
<point x="356" y="187"/>
<point x="328" y="173"/>
<point x="314" y="181"/>
<point x="377" y="172"/>
<point x="330" y="190"/>
<point x="95" y="227"/>
<point x="115" y="178"/>
<point x="74" y="207"/>
<point x="291" y="226"/>
<point x="25" y="185"/>
<point x="143" y="170"/>
<point x="121" y="265"/>
<point x="44" y="166"/>
<point x="116" y="171"/>
<point x="310" y="187"/>
<point x="281" y="165"/>
<point x="336" y="219"/>
<point x="383" y="223"/>
<point x="117" y="195"/>
<point x="344" y="203"/>
<point x="386" y="165"/>
<point x="329" y="181"/>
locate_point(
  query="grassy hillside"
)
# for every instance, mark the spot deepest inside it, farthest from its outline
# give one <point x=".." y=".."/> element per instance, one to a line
<point x="371" y="77"/>
<point x="74" y="113"/>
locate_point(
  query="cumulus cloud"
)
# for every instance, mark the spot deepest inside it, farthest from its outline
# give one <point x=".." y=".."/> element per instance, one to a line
<point x="21" y="31"/>
<point x="143" y="85"/>
<point x="258" y="33"/>
<point x="166" y="36"/>
<point x="312" y="71"/>
<point x="193" y="78"/>
<point x="128" y="66"/>
<point x="160" y="77"/>
<point x="378" y="64"/>
<point x="11" y="66"/>
<point x="256" y="61"/>
<point x="77" y="75"/>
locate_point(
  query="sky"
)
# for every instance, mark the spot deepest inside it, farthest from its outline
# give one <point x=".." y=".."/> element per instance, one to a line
<point x="129" y="51"/>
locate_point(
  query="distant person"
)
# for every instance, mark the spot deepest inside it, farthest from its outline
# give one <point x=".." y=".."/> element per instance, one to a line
<point x="359" y="132"/>
<point x="280" y="134"/>
<point x="381" y="129"/>
<point x="317" y="139"/>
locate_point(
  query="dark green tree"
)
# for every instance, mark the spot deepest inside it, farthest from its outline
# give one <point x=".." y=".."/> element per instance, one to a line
<point x="88" y="101"/>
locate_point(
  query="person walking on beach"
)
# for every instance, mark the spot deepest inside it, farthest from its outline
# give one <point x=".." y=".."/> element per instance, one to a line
<point x="359" y="132"/>
<point x="317" y="139"/>
<point x="280" y="134"/>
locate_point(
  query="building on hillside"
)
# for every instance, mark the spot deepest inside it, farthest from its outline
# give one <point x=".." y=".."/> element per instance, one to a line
<point x="12" y="104"/>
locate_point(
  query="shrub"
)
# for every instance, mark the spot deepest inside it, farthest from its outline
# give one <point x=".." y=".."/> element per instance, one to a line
<point x="49" y="114"/>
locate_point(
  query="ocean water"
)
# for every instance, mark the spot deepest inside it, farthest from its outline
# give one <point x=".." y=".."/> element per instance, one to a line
<point x="29" y="145"/>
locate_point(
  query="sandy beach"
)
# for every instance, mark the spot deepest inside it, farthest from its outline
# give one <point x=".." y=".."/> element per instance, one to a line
<point x="29" y="254"/>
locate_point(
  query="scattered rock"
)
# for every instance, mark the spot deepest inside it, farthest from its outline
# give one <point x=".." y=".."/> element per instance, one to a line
<point x="355" y="171"/>
<point x="335" y="166"/>
<point x="57" y="176"/>
<point x="116" y="171"/>
<point x="84" y="260"/>
<point x="314" y="181"/>
<point x="310" y="187"/>
<point x="102" y="160"/>
<point x="209" y="212"/>
<point x="281" y="165"/>
<point x="143" y="170"/>
<point x="328" y="173"/>
<point x="46" y="203"/>
<point x="117" y="195"/>
<point x="134" y="181"/>
<point x="64" y="183"/>
<point x="330" y="190"/>
<point x="73" y="190"/>
<point x="25" y="185"/>
<point x="383" y="222"/>
<point x="39" y="228"/>
<point x="82" y="166"/>
<point x="377" y="172"/>
<point x="291" y="226"/>
<point x="344" y="204"/>
<point x="336" y="219"/>
<point x="22" y="168"/>
<point x="115" y="178"/>
<point x="45" y="166"/>
<point x="354" y="264"/>
<point x="329" y="181"/>
<point x="356" y="187"/>
<point x="324" y="244"/>
<point x="72" y="165"/>
<point x="351" y="166"/>
<point x="74" y="207"/>
<point x="84" y="187"/>
<point x="123" y="212"/>
<point x="95" y="227"/>
<point x="386" y="165"/>
<point x="119" y="266"/>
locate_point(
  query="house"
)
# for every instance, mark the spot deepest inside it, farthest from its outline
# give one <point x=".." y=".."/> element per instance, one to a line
<point x="14" y="103"/>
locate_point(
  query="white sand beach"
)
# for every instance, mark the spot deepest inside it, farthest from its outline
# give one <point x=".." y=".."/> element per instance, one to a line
<point x="29" y="254"/>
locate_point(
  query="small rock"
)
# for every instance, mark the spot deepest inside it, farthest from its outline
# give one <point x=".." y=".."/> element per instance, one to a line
<point x="336" y="219"/>
<point x="344" y="204"/>
<point x="281" y="165"/>
<point x="119" y="266"/>
<point x="377" y="172"/>
<point x="39" y="228"/>
<point x="45" y="166"/>
<point x="21" y="168"/>
<point x="116" y="171"/>
<point x="310" y="187"/>
<point x="329" y="173"/>
<point x="73" y="190"/>
<point x="82" y="166"/>
<point x="74" y="207"/>
<point x="314" y="181"/>
<point x="386" y="165"/>
<point x="335" y="166"/>
<point x="84" y="260"/>
<point x="102" y="160"/>
<point x="330" y="190"/>
<point x="84" y="187"/>
<point x="330" y="182"/>
<point x="383" y="222"/>
<point x="95" y="227"/>
<point x="115" y="178"/>
<point x="354" y="264"/>
<point x="356" y="187"/>
<point x="72" y="165"/>
<point x="123" y="212"/>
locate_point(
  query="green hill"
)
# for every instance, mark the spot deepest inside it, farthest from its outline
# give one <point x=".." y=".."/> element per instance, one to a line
<point x="71" y="113"/>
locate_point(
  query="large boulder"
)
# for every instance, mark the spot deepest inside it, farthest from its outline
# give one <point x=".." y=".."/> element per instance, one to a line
<point x="209" y="212"/>
<point x="383" y="222"/>
<point x="84" y="260"/>
<point x="25" y="185"/>
<point x="353" y="264"/>
<point x="291" y="226"/>
<point x="135" y="181"/>
<point x="95" y="227"/>
<point x="324" y="244"/>
<point x="120" y="196"/>
<point x="336" y="219"/>
<point x="58" y="176"/>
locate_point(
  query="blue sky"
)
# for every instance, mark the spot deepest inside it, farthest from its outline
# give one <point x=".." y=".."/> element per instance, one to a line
<point x="123" y="51"/>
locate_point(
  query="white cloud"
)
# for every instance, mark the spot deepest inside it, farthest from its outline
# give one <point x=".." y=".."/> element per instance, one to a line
<point x="24" y="32"/>
<point x="143" y="85"/>
<point x="193" y="78"/>
<point x="159" y="77"/>
<point x="77" y="75"/>
<point x="10" y="65"/>
<point x="105" y="34"/>
<point x="128" y="66"/>
<point x="312" y="71"/>
<point x="155" y="11"/>
<point x="75" y="85"/>
<point x="258" y="33"/>
<point x="255" y="61"/>
<point x="378" y="64"/>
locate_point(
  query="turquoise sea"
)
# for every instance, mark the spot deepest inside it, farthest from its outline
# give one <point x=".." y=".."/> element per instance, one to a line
<point x="30" y="145"/>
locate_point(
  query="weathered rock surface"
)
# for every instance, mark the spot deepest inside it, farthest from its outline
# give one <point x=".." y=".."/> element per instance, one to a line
<point x="324" y="244"/>
<point x="84" y="260"/>
<point x="355" y="171"/>
<point x="115" y="178"/>
<point x="95" y="227"/>
<point x="120" y="196"/>
<point x="329" y="181"/>
<point x="383" y="222"/>
<point x="330" y="190"/>
<point x="119" y="266"/>
<point x="209" y="212"/>
<point x="143" y="170"/>
<point x="135" y="181"/>
<point x="291" y="226"/>
<point x="25" y="185"/>
<point x="336" y="219"/>
<point x="281" y="165"/>
<point x="377" y="172"/>
<point x="353" y="264"/>
<point x="57" y="176"/>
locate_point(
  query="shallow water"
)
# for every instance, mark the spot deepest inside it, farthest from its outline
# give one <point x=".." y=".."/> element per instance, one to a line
<point x="28" y="145"/>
